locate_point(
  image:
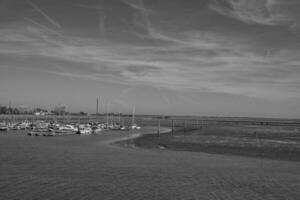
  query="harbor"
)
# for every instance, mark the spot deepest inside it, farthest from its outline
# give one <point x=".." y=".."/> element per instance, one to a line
<point x="54" y="128"/>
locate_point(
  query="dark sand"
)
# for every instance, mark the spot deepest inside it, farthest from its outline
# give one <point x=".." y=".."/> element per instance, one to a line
<point x="278" y="143"/>
<point x="88" y="167"/>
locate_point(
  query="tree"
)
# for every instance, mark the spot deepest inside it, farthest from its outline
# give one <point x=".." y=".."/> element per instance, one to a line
<point x="16" y="111"/>
<point x="60" y="110"/>
<point x="3" y="110"/>
<point x="82" y="113"/>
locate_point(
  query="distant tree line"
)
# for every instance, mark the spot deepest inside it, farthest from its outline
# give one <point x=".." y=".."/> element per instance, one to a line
<point x="4" y="110"/>
<point x="60" y="110"/>
<point x="7" y="110"/>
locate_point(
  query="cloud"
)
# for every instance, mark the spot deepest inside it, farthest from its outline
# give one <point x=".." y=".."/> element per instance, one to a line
<point x="47" y="17"/>
<point x="191" y="59"/>
<point x="137" y="4"/>
<point x="142" y="18"/>
<point x="262" y="12"/>
<point x="252" y="12"/>
<point x="41" y="25"/>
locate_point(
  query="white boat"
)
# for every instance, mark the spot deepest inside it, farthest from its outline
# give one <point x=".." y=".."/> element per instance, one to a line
<point x="16" y="126"/>
<point x="41" y="125"/>
<point x="116" y="127"/>
<point x="135" y="126"/>
<point x="24" y="125"/>
<point x="84" y="129"/>
<point x="3" y="127"/>
<point x="68" y="128"/>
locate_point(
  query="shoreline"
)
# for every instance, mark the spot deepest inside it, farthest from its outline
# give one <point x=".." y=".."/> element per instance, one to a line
<point x="133" y="136"/>
<point x="180" y="142"/>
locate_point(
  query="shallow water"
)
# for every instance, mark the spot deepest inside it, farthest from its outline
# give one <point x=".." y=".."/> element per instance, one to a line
<point x="86" y="167"/>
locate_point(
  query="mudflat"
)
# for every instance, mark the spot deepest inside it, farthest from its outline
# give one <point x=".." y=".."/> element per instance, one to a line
<point x="272" y="142"/>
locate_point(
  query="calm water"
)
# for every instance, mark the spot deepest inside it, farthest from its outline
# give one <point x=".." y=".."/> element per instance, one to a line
<point x="86" y="167"/>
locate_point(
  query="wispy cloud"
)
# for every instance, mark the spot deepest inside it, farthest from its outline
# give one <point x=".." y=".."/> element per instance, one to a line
<point x="41" y="25"/>
<point x="255" y="11"/>
<point x="190" y="59"/>
<point x="228" y="69"/>
<point x="47" y="17"/>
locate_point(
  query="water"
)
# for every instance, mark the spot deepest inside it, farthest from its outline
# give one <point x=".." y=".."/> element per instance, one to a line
<point x="86" y="167"/>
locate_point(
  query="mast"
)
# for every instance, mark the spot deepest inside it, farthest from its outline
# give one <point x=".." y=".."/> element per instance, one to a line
<point x="107" y="108"/>
<point x="133" y="112"/>
<point x="9" y="107"/>
<point x="97" y="106"/>
<point x="10" y="110"/>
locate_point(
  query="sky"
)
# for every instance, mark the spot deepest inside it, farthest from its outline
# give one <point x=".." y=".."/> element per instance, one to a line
<point x="171" y="57"/>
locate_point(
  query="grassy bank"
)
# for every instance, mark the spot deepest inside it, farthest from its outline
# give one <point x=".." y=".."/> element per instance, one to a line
<point x="255" y="141"/>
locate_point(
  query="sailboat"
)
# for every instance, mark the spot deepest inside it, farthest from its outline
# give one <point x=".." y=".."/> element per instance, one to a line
<point x="133" y="124"/>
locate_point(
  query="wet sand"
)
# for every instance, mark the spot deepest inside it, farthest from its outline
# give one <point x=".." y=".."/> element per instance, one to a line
<point x="90" y="167"/>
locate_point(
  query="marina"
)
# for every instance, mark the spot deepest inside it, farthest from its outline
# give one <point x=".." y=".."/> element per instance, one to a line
<point x="42" y="128"/>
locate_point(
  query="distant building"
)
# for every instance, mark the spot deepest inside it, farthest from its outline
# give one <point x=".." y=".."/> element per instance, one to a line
<point x="41" y="113"/>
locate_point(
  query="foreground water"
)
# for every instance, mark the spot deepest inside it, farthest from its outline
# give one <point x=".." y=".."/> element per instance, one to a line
<point x="88" y="167"/>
